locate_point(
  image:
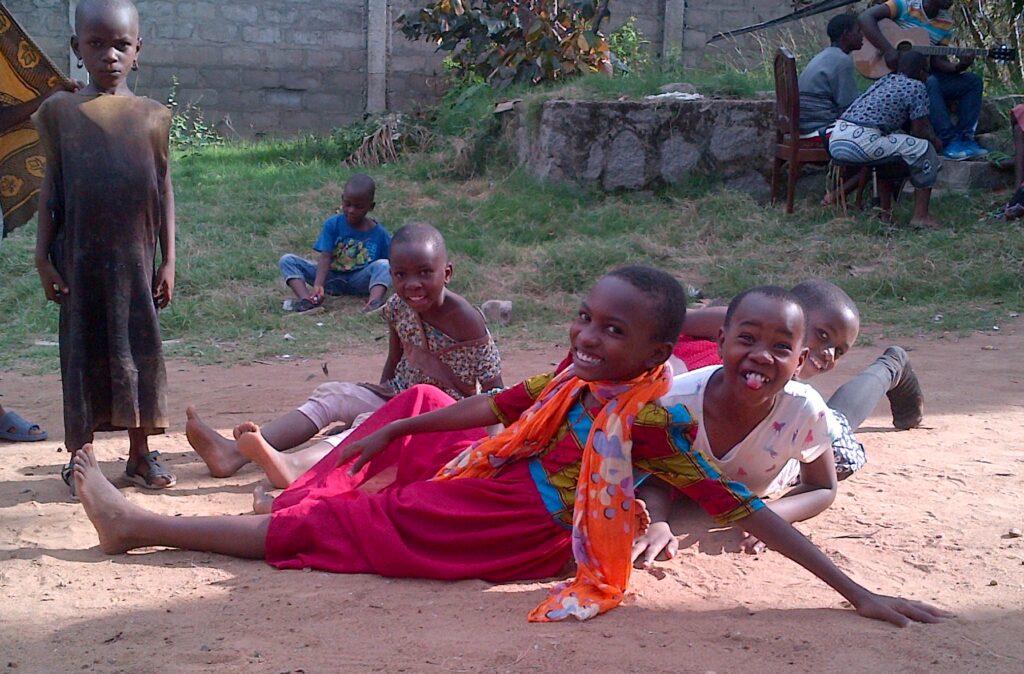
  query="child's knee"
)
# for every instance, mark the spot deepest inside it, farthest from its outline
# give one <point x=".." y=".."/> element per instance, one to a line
<point x="288" y="264"/>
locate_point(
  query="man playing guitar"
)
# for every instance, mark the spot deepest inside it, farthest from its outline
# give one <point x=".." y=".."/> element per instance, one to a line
<point x="948" y="81"/>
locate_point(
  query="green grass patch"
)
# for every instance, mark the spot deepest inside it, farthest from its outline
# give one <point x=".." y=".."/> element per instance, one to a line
<point x="241" y="206"/>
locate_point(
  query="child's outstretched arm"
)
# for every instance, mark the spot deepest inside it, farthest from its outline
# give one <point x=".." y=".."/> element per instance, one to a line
<point x="473" y="412"/>
<point x="815" y="493"/>
<point x="53" y="284"/>
<point x="782" y="537"/>
<point x="163" y="284"/>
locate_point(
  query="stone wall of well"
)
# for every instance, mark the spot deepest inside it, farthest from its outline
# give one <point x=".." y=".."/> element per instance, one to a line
<point x="641" y="145"/>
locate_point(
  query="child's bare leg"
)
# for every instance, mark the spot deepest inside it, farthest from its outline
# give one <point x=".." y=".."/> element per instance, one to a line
<point x="289" y="430"/>
<point x="281" y="469"/>
<point x="262" y="502"/>
<point x="299" y="287"/>
<point x="922" y="217"/>
<point x="220" y="455"/>
<point x="124" y="526"/>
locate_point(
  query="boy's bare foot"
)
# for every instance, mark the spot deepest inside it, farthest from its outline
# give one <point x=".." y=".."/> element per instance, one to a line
<point x="262" y="502"/>
<point x="927" y="222"/>
<point x="111" y="513"/>
<point x="219" y="454"/>
<point x="280" y="468"/>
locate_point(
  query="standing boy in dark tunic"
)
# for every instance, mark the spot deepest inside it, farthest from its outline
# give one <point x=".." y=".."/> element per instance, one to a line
<point x="106" y="201"/>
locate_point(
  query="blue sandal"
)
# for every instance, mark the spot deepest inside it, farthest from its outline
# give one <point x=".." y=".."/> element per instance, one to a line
<point x="16" y="428"/>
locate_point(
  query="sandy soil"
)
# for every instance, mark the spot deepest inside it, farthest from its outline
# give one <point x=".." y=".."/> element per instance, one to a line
<point x="929" y="517"/>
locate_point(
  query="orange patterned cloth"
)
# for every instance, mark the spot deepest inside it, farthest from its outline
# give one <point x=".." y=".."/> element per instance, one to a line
<point x="603" y="516"/>
<point x="25" y="75"/>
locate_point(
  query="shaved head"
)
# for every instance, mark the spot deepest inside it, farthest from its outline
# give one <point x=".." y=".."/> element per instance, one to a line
<point x="422" y="235"/>
<point x="361" y="184"/>
<point x="91" y="10"/>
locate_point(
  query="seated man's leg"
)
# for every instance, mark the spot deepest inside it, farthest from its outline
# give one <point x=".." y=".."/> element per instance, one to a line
<point x="966" y="89"/>
<point x="938" y="112"/>
<point x="923" y="175"/>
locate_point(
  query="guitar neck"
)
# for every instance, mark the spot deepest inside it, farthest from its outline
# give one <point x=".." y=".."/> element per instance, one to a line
<point x="950" y="51"/>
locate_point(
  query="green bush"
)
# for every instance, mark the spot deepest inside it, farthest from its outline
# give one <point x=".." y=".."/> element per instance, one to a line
<point x="512" y="41"/>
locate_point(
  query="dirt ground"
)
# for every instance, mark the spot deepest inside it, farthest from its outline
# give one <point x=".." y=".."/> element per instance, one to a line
<point x="929" y="517"/>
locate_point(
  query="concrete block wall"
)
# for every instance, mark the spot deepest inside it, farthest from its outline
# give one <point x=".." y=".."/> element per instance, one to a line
<point x="291" y="66"/>
<point x="262" y="67"/>
<point x="704" y="18"/>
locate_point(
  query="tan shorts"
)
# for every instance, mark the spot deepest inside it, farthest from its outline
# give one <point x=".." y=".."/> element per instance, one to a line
<point x="339" y="402"/>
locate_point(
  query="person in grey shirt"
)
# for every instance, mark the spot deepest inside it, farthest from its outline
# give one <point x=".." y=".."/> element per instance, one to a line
<point x="827" y="84"/>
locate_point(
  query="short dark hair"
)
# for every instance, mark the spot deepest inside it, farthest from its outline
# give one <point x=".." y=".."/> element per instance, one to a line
<point x="420" y="233"/>
<point x="665" y="292"/>
<point x="818" y="293"/>
<point x="839" y="25"/>
<point x="775" y="292"/>
<point x="361" y="183"/>
<point x="911" y="63"/>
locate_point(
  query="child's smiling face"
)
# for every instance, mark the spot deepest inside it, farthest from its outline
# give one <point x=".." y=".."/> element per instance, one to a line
<point x="107" y="41"/>
<point x="831" y="332"/>
<point x="613" y="335"/>
<point x="762" y="347"/>
<point x="419" y="273"/>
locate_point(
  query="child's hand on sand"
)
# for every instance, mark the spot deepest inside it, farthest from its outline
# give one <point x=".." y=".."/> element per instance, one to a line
<point x="53" y="284"/>
<point x="899" y="611"/>
<point x="163" y="285"/>
<point x="366" y="448"/>
<point x="657" y="543"/>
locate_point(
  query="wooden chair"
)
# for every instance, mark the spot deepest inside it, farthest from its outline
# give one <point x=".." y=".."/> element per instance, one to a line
<point x="788" y="145"/>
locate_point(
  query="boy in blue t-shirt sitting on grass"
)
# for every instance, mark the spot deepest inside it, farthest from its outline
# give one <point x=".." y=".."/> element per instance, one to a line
<point x="353" y="260"/>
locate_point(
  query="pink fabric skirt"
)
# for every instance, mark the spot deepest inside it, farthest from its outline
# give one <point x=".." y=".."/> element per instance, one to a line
<point x="392" y="520"/>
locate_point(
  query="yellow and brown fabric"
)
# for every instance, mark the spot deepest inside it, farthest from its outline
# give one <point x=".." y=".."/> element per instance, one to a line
<point x="25" y="75"/>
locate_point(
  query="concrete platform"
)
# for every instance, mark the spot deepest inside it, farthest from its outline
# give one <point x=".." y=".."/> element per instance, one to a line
<point x="961" y="176"/>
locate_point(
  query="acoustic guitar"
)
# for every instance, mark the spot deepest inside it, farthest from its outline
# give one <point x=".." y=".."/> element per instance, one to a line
<point x="870" y="61"/>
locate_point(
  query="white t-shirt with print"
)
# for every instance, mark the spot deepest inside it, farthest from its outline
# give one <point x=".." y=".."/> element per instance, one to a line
<point x="796" y="428"/>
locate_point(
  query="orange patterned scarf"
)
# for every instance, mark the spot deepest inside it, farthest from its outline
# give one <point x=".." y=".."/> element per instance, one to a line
<point x="603" y="517"/>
